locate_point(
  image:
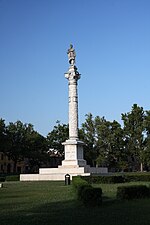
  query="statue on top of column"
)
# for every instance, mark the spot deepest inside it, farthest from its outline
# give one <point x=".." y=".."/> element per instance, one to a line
<point x="71" y="55"/>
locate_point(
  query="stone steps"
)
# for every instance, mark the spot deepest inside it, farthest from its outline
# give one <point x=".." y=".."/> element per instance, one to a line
<point x="45" y="177"/>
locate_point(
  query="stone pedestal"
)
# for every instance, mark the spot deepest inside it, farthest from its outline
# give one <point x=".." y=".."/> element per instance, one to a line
<point x="73" y="153"/>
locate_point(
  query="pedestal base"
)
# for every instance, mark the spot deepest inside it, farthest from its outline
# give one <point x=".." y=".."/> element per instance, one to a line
<point x="60" y="172"/>
<point x="73" y="153"/>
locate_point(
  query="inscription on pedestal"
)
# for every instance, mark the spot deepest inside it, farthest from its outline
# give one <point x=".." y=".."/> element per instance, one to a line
<point x="70" y="155"/>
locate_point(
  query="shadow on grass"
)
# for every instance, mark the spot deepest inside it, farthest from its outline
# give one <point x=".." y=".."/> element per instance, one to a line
<point x="74" y="213"/>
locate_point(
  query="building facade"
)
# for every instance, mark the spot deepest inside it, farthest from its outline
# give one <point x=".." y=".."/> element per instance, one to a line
<point x="7" y="165"/>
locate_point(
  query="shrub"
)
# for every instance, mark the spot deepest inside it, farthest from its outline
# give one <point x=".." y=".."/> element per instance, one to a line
<point x="86" y="193"/>
<point x="12" y="178"/>
<point x="105" y="179"/>
<point x="91" y="196"/>
<point x="79" y="184"/>
<point x="77" y="181"/>
<point x="133" y="192"/>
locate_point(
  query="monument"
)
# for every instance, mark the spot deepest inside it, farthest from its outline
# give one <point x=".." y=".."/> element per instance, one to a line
<point x="74" y="163"/>
<point x="73" y="146"/>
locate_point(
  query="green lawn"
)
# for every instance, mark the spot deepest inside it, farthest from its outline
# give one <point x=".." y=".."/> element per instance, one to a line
<point x="53" y="203"/>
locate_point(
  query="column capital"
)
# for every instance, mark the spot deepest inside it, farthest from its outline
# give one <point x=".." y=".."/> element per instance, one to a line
<point x="72" y="74"/>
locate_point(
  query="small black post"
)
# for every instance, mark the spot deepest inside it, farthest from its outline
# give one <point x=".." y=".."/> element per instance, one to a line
<point x="67" y="179"/>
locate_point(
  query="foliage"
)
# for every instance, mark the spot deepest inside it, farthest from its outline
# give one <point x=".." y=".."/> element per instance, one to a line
<point x="110" y="144"/>
<point x="88" y="135"/>
<point x="17" y="140"/>
<point x="3" y="136"/>
<point x="20" y="141"/>
<point x="57" y="136"/>
<point x="104" y="142"/>
<point x="134" y="134"/>
<point x="147" y="139"/>
<point x="104" y="179"/>
<point x="91" y="196"/>
<point x="79" y="184"/>
<point x="133" y="192"/>
<point x="12" y="178"/>
<point x="86" y="193"/>
<point x="129" y="177"/>
<point x="113" y="179"/>
<point x="36" y="150"/>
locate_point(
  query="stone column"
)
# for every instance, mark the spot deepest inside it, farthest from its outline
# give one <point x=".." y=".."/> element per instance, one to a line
<point x="73" y="77"/>
<point x="73" y="146"/>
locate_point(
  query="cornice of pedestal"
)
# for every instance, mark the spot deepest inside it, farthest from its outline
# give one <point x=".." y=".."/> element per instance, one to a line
<point x="73" y="142"/>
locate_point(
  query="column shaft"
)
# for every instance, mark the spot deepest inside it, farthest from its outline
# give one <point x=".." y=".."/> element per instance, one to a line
<point x="73" y="109"/>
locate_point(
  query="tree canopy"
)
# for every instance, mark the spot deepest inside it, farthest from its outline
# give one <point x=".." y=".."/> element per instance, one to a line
<point x="20" y="141"/>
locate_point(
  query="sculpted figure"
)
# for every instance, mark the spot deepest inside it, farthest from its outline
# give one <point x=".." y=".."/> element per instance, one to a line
<point x="71" y="55"/>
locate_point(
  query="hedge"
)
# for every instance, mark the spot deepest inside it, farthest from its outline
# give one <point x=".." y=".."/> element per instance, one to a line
<point x="86" y="193"/>
<point x="108" y="179"/>
<point x="79" y="184"/>
<point x="137" y="177"/>
<point x="91" y="196"/>
<point x="12" y="178"/>
<point x="133" y="192"/>
<point x="79" y="181"/>
<point x="113" y="179"/>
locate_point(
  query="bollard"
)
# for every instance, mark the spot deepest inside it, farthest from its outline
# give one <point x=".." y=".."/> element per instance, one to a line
<point x="67" y="179"/>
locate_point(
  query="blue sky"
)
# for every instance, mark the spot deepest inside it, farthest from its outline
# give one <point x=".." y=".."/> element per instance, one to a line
<point x="112" y="42"/>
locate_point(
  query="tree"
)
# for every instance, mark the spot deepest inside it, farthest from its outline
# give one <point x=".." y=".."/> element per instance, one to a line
<point x="25" y="142"/>
<point x="134" y="131"/>
<point x="36" y="150"/>
<point x="17" y="133"/>
<point x="110" y="144"/>
<point x="103" y="142"/>
<point x="147" y="138"/>
<point x="3" y="136"/>
<point x="57" y="136"/>
<point x="88" y="136"/>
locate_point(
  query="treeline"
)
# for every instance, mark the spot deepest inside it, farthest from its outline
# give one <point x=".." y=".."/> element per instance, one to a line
<point x="120" y="148"/>
<point x="20" y="141"/>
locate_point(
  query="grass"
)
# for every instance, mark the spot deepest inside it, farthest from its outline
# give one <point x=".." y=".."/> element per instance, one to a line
<point x="53" y="203"/>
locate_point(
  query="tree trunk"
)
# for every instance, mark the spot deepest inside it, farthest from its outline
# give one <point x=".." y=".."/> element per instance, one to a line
<point x="141" y="167"/>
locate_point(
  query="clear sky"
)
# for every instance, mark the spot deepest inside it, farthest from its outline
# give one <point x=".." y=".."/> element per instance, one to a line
<point x="112" y="42"/>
